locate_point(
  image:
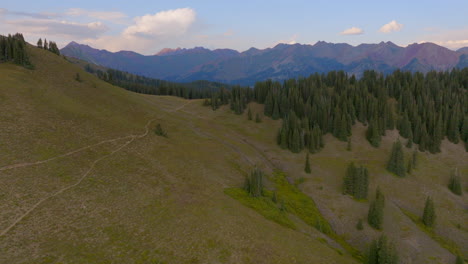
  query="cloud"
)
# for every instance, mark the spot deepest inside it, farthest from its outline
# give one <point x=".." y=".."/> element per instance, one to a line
<point x="352" y="31"/>
<point x="452" y="39"/>
<point x="228" y="33"/>
<point x="165" y="23"/>
<point x="113" y="16"/>
<point x="392" y="26"/>
<point x="4" y="11"/>
<point x="451" y="44"/>
<point x="58" y="28"/>
<point x="290" y="41"/>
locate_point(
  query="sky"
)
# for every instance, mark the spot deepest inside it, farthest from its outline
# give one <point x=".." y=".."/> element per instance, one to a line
<point x="148" y="26"/>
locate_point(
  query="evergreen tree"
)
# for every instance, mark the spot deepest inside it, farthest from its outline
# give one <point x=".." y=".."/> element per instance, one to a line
<point x="396" y="164"/>
<point x="257" y="118"/>
<point x="254" y="183"/>
<point x="459" y="260"/>
<point x="429" y="215"/>
<point x="382" y="252"/>
<point x="360" y="225"/>
<point x="46" y="45"/>
<point x="78" y="78"/>
<point x="307" y="164"/>
<point x="249" y="114"/>
<point x="160" y="131"/>
<point x="409" y="168"/>
<point x="376" y="211"/>
<point x="415" y="159"/>
<point x="454" y="183"/>
<point x="356" y="181"/>
<point x="39" y="43"/>
<point x="349" y="147"/>
<point x="373" y="134"/>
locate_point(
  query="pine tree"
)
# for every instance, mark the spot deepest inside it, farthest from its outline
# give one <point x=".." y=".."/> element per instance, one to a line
<point x="349" y="147"/>
<point x="160" y="131"/>
<point x="348" y="187"/>
<point x="307" y="164"/>
<point x="254" y="183"/>
<point x="409" y="168"/>
<point x="459" y="260"/>
<point x="46" y="45"/>
<point x="376" y="211"/>
<point x="39" y="43"/>
<point x="257" y="118"/>
<point x="249" y="114"/>
<point x="382" y="252"/>
<point x="415" y="159"/>
<point x="396" y="164"/>
<point x="454" y="183"/>
<point x="359" y="225"/>
<point x="429" y="215"/>
<point x="373" y="134"/>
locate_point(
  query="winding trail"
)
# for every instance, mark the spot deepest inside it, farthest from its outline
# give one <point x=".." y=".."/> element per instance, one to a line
<point x="93" y="165"/>
<point x="26" y="164"/>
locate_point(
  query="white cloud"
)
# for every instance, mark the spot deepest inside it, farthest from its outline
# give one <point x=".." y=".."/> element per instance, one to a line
<point x="352" y="31"/>
<point x="392" y="26"/>
<point x="113" y="16"/>
<point x="290" y="41"/>
<point x="452" y="39"/>
<point x="58" y="28"/>
<point x="451" y="44"/>
<point x="165" y="23"/>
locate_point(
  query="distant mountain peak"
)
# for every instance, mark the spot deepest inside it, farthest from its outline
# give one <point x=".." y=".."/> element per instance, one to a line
<point x="279" y="63"/>
<point x="167" y="51"/>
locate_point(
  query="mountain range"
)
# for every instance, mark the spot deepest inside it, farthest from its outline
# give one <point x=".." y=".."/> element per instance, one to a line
<point x="278" y="63"/>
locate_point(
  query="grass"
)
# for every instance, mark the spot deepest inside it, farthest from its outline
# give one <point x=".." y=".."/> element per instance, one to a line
<point x="263" y="205"/>
<point x="444" y="242"/>
<point x="160" y="200"/>
<point x="295" y="202"/>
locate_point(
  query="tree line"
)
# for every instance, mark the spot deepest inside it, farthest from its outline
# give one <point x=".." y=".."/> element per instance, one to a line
<point x="140" y="84"/>
<point x="13" y="48"/>
<point x="50" y="46"/>
<point x="424" y="108"/>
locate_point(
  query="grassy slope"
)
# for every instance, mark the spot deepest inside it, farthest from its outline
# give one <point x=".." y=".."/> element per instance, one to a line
<point x="149" y="200"/>
<point x="159" y="199"/>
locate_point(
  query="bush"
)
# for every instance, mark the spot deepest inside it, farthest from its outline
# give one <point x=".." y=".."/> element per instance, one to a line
<point x="160" y="131"/>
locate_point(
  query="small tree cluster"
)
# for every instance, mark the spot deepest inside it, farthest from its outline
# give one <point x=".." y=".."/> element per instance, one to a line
<point x="254" y="183"/>
<point x="396" y="164"/>
<point x="160" y="131"/>
<point x="375" y="215"/>
<point x="429" y="215"/>
<point x="382" y="252"/>
<point x="51" y="46"/>
<point x="454" y="183"/>
<point x="356" y="181"/>
<point x="13" y="48"/>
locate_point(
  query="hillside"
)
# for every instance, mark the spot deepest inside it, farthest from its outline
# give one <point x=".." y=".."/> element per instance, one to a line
<point x="281" y="62"/>
<point x="86" y="180"/>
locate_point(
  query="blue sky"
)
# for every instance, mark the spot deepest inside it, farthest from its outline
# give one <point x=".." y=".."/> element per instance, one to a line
<point x="148" y="26"/>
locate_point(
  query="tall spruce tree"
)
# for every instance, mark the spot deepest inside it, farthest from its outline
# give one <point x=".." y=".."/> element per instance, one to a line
<point x="454" y="183"/>
<point x="39" y="43"/>
<point x="382" y="252"/>
<point x="307" y="164"/>
<point x="396" y="163"/>
<point x="375" y="215"/>
<point x="429" y="214"/>
<point x="254" y="183"/>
